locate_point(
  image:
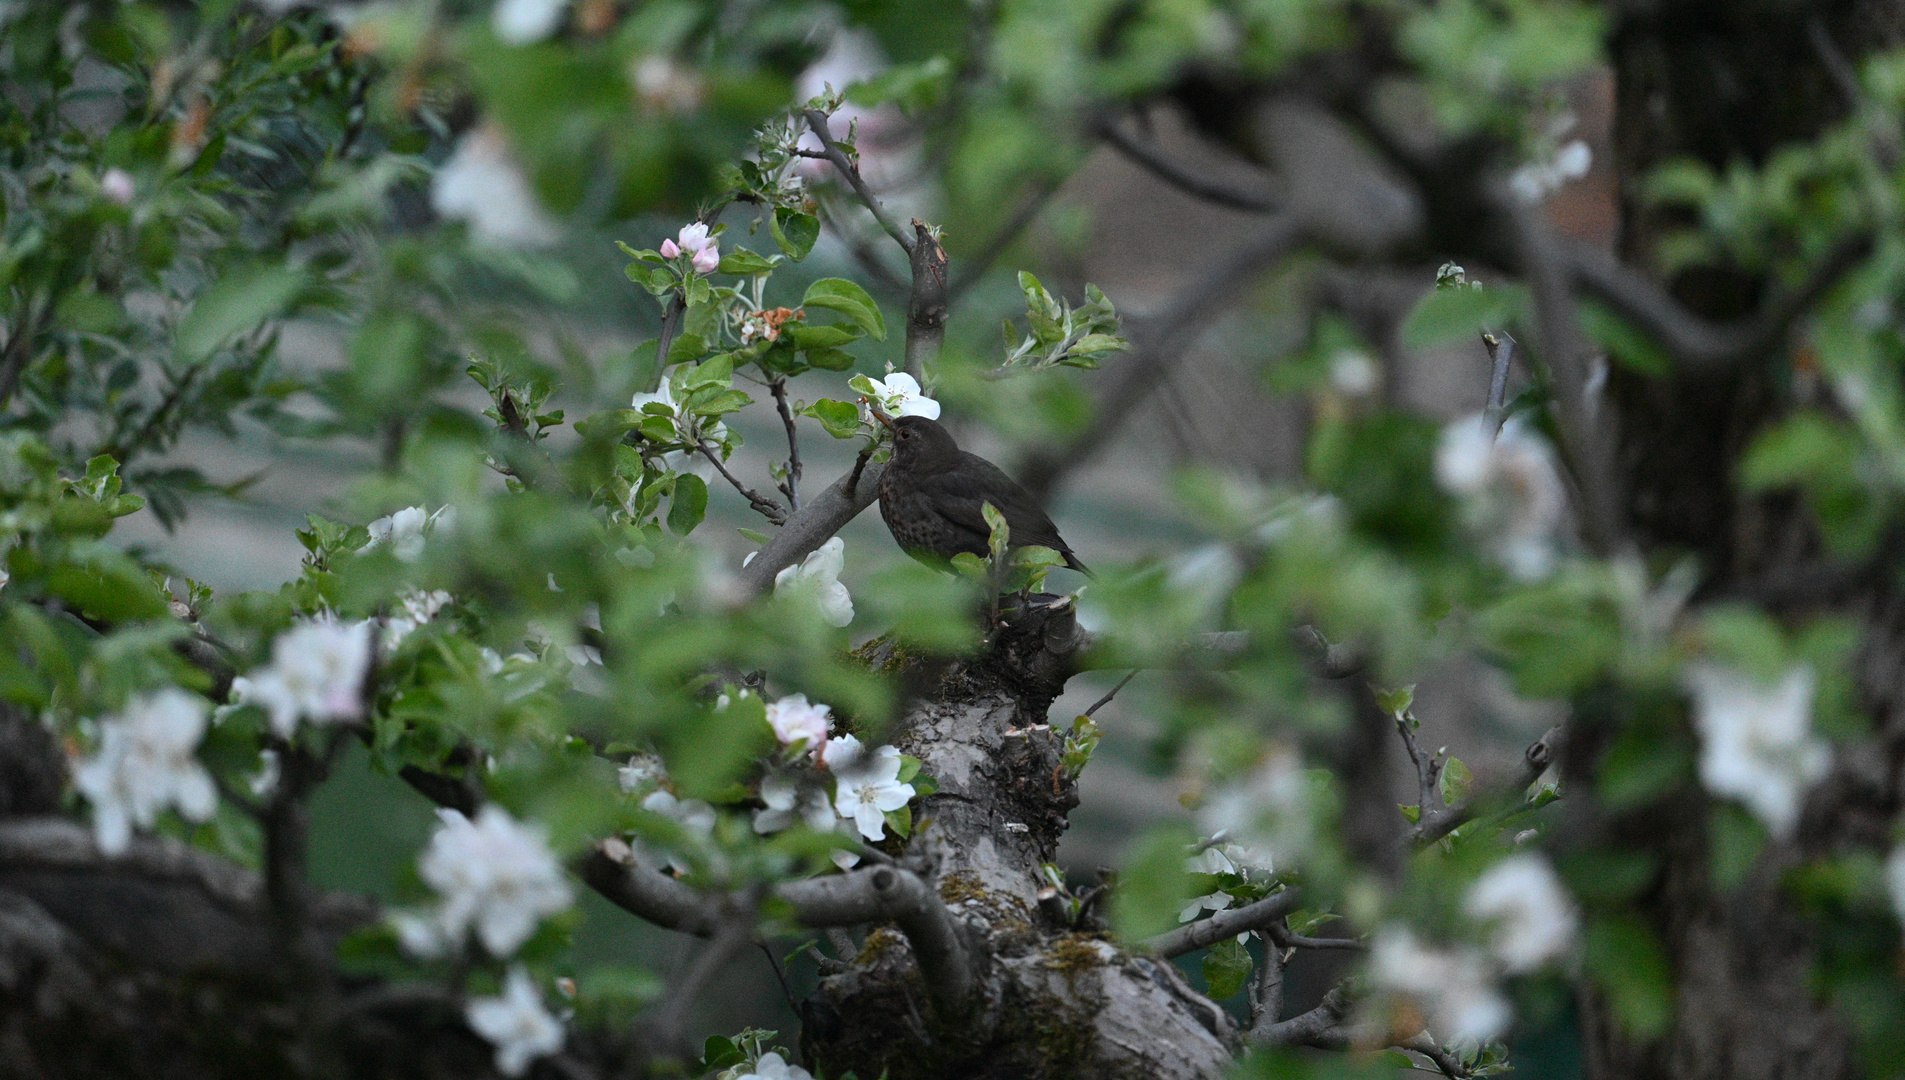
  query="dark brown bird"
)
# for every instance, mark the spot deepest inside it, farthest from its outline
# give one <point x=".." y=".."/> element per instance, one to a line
<point x="932" y="491"/>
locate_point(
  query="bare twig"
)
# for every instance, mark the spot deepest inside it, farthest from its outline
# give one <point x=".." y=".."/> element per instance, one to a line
<point x="791" y="487"/>
<point x="1308" y="1029"/>
<point x="670" y="324"/>
<point x="1431" y="827"/>
<point x="1288" y="938"/>
<point x="1161" y="343"/>
<point x="817" y="121"/>
<point x="1193" y="936"/>
<point x="1106" y="700"/>
<point x="19" y="348"/>
<point x="1501" y="354"/>
<point x="768" y="508"/>
<point x="1424" y="763"/>
<point x="1332" y="661"/>
<point x="1162" y="165"/>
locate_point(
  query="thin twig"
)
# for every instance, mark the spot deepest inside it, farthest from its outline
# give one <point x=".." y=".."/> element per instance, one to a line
<point x="791" y="488"/>
<point x="1431" y="827"/>
<point x="1288" y="938"/>
<point x="19" y="348"/>
<point x="780" y="976"/>
<point x="1424" y="763"/>
<point x="817" y="121"/>
<point x="1106" y="700"/>
<point x="769" y="509"/>
<point x="1422" y="1044"/>
<point x="1501" y="352"/>
<point x="1162" y="165"/>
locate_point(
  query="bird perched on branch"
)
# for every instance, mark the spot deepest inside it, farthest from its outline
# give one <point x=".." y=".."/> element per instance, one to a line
<point x="932" y="492"/>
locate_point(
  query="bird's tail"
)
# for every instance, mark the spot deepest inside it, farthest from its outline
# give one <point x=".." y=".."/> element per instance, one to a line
<point x="1072" y="561"/>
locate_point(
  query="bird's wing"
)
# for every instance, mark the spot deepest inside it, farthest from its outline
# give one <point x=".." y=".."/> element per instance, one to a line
<point x="959" y="501"/>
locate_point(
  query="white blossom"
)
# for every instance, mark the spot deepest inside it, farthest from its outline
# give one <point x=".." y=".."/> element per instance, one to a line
<point x="774" y="1067"/>
<point x="1216" y="901"/>
<point x="680" y="461"/>
<point x="787" y="801"/>
<point x="703" y="250"/>
<point x="482" y="184"/>
<point x="1535" y="181"/>
<point x="664" y="84"/>
<point x="1511" y="488"/>
<point x="145" y="763"/>
<point x="515" y="1023"/>
<point x="5" y="576"/>
<point x="265" y="780"/>
<point x="1453" y="989"/>
<point x="496" y="875"/>
<point x="641" y="772"/>
<point x="521" y="22"/>
<point x="818" y="576"/>
<point x="405" y="530"/>
<point x="418" y="608"/>
<point x="1354" y="374"/>
<point x="899" y="394"/>
<point x="694" y="815"/>
<point x="317" y="673"/>
<point x="1534" y="917"/>
<point x="117" y="186"/>
<point x="866" y="786"/>
<point x="1756" y="741"/>
<point x="798" y="723"/>
<point x="1895" y="880"/>
<point x="1268" y="812"/>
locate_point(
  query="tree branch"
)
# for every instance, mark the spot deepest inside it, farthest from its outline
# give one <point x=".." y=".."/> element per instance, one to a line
<point x="817" y="121"/>
<point x="927" y="309"/>
<point x="1307" y="1029"/>
<point x="768" y="508"/>
<point x="1193" y="936"/>
<point x="1431" y="827"/>
<point x="811" y="526"/>
<point x="1501" y="354"/>
<point x="1162" y="165"/>
<point x="791" y="488"/>
<point x="19" y="348"/>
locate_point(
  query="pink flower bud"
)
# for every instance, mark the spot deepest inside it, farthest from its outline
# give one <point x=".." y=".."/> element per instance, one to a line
<point x="707" y="259"/>
<point x="669" y="250"/>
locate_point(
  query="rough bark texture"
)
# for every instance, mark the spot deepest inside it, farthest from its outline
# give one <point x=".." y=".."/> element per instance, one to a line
<point x="1057" y="1002"/>
<point x="1725" y="81"/>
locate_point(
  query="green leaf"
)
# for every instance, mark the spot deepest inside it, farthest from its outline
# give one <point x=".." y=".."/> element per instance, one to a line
<point x="755" y="535"/>
<point x="744" y="263"/>
<point x="716" y="401"/>
<point x="1412" y="814"/>
<point x="1625" y="958"/>
<point x="909" y="768"/>
<point x="719" y="1053"/>
<point x="1445" y="315"/>
<point x="610" y="423"/>
<point x="821" y="337"/>
<point x="686" y="347"/>
<point x="794" y="231"/>
<point x="236" y="305"/>
<point x="1455" y="782"/>
<point x="830" y="359"/>
<point x="900" y="821"/>
<point x="913" y="87"/>
<point x="1226" y="966"/>
<point x="840" y="418"/>
<point x="1623" y="342"/>
<point x="717" y="370"/>
<point x="1153" y="886"/>
<point x="1396" y="702"/>
<point x="849" y="299"/>
<point x="1304" y="921"/>
<point x="1093" y="344"/>
<point x="689" y="505"/>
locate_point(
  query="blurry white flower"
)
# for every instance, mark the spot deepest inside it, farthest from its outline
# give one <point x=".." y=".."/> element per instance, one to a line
<point x="773" y="1067"/>
<point x="515" y="1023"/>
<point x="641" y="771"/>
<point x="703" y="251"/>
<point x="695" y="816"/>
<point x="1512" y="490"/>
<point x="317" y="673"/>
<point x="416" y="608"/>
<point x="1535" y="181"/>
<point x="482" y="184"/>
<point x="1756" y="741"/>
<point x="145" y="763"/>
<point x="1453" y="989"/>
<point x="496" y="875"/>
<point x="1533" y="915"/>
<point x="899" y="394"/>
<point x="405" y="530"/>
<point x="1895" y="880"/>
<point x="666" y="85"/>
<point x="5" y="576"/>
<point x="798" y="723"/>
<point x="1353" y="373"/>
<point x="520" y="22"/>
<point x="265" y="780"/>
<point x="117" y="186"/>
<point x="879" y="133"/>
<point x="866" y="786"/>
<point x="787" y="801"/>
<point x="582" y="655"/>
<point x="1268" y="812"/>
<point x="818" y="576"/>
<point x="1204" y="578"/>
<point x="1216" y="901"/>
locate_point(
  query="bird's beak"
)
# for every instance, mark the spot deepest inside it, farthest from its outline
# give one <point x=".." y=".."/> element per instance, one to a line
<point x="877" y="414"/>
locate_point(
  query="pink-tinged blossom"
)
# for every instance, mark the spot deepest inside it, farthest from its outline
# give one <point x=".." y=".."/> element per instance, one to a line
<point x="317" y="674"/>
<point x="117" y="186"/>
<point x="146" y="762"/>
<point x="1533" y="917"/>
<point x="497" y="877"/>
<point x="516" y="1024"/>
<point x="703" y="250"/>
<point x="798" y="723"/>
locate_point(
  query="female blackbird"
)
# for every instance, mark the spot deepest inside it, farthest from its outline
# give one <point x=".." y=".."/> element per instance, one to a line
<point x="932" y="491"/>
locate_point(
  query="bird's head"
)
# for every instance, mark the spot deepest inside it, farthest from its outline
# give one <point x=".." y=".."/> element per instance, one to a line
<point x="921" y="445"/>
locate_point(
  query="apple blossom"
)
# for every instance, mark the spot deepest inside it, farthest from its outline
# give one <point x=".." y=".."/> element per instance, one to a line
<point x="1534" y="917"/>
<point x="1756" y="742"/>
<point x="145" y="762"/>
<point x="405" y="530"/>
<point x="521" y="22"/>
<point x="787" y="801"/>
<point x="867" y="786"/>
<point x="496" y="875"/>
<point x="818" y="576"/>
<point x="516" y="1023"/>
<point x="1453" y="989"/>
<point x="703" y="250"/>
<point x="482" y="184"/>
<point x="642" y="772"/>
<point x="317" y="673"/>
<point x="418" y="608"/>
<point x="695" y="816"/>
<point x="774" y="1067"/>
<point x="899" y="394"/>
<point x="799" y="724"/>
<point x="1511" y="488"/>
<point x="117" y="186"/>
<point x="1269" y="812"/>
